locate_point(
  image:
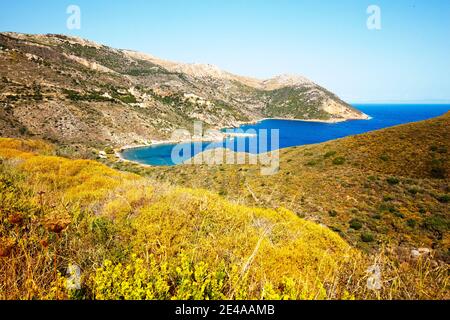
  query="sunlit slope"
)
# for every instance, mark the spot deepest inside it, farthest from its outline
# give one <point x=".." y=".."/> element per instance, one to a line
<point x="384" y="186"/>
<point x="134" y="238"/>
<point x="176" y="242"/>
<point x="76" y="92"/>
<point x="417" y="150"/>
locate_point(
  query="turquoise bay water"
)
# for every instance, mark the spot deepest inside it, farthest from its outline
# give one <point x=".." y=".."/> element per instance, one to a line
<point x="297" y="133"/>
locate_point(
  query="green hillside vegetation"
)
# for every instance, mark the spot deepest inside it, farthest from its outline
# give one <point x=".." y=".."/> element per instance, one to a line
<point x="393" y="182"/>
<point x="293" y="103"/>
<point x="134" y="238"/>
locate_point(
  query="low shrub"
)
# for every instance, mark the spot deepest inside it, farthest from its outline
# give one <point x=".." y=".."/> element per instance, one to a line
<point x="413" y="191"/>
<point x="339" y="160"/>
<point x="311" y="163"/>
<point x="437" y="223"/>
<point x="411" y="223"/>
<point x="329" y="154"/>
<point x="393" y="181"/>
<point x="444" y="198"/>
<point x="367" y="237"/>
<point x="355" y="224"/>
<point x="376" y="216"/>
<point x="438" y="172"/>
<point x="332" y="213"/>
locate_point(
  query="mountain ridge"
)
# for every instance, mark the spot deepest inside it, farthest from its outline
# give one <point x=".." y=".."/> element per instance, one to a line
<point x="206" y="69"/>
<point x="74" y="91"/>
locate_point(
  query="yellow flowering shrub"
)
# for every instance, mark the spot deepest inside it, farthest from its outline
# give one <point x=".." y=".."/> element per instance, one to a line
<point x="182" y="280"/>
<point x="132" y="281"/>
<point x="269" y="244"/>
<point x="134" y="238"/>
<point x="26" y="145"/>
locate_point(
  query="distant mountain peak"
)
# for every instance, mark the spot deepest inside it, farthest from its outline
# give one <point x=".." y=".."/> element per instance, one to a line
<point x="70" y="89"/>
<point x="286" y="80"/>
<point x="202" y="70"/>
<point x="292" y="79"/>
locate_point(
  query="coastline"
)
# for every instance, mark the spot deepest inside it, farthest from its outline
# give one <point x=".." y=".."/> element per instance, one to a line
<point x="118" y="151"/>
<point x="330" y="121"/>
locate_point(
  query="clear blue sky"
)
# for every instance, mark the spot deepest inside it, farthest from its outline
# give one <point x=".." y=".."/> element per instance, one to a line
<point x="324" y="40"/>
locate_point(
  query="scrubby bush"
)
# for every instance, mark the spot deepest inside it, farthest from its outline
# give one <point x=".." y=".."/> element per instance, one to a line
<point x="398" y="214"/>
<point x="413" y="191"/>
<point x="367" y="237"/>
<point x="311" y="163"/>
<point x="355" y="224"/>
<point x="392" y="181"/>
<point x="23" y="130"/>
<point x="437" y="223"/>
<point x="411" y="223"/>
<point x="329" y="154"/>
<point x="376" y="216"/>
<point x="339" y="160"/>
<point x="89" y="96"/>
<point x="444" y="198"/>
<point x="438" y="172"/>
<point x="127" y="98"/>
<point x="332" y="213"/>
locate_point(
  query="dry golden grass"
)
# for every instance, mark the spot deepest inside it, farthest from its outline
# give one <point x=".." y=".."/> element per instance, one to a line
<point x="394" y="181"/>
<point x="134" y="238"/>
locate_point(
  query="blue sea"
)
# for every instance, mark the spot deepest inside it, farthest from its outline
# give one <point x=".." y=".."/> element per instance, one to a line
<point x="296" y="133"/>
